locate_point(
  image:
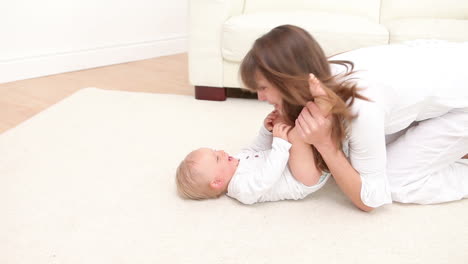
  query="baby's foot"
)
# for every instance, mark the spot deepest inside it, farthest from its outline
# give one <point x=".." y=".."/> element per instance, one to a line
<point x="319" y="94"/>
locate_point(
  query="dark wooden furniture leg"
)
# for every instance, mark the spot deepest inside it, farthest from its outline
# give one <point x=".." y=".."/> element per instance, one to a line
<point x="210" y="93"/>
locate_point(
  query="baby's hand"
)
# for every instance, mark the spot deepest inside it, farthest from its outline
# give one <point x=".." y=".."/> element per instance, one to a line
<point x="281" y="130"/>
<point x="279" y="119"/>
<point x="269" y="120"/>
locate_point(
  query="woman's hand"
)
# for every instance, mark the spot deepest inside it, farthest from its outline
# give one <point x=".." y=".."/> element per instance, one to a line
<point x="313" y="127"/>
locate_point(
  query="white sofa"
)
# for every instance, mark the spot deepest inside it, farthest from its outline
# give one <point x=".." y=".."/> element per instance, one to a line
<point x="222" y="31"/>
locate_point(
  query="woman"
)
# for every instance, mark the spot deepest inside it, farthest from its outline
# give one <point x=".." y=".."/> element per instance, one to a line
<point x="401" y="110"/>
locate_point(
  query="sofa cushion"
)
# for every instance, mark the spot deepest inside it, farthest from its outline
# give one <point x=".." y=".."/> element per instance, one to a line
<point x="444" y="9"/>
<point x="336" y="33"/>
<point x="409" y="29"/>
<point x="365" y="8"/>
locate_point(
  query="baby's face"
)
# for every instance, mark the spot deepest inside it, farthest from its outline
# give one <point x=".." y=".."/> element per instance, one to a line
<point x="216" y="164"/>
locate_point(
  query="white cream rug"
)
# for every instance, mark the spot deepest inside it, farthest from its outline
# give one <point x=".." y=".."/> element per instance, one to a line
<point x="91" y="180"/>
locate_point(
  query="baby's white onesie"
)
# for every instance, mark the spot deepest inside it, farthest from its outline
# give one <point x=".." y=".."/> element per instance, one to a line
<point x="263" y="173"/>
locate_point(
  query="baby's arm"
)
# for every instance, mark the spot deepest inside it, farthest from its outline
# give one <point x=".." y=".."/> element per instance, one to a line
<point x="264" y="137"/>
<point x="301" y="160"/>
<point x="262" y="141"/>
<point x="261" y="179"/>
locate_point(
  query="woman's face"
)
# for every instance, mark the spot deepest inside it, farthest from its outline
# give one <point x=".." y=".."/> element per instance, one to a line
<point x="268" y="92"/>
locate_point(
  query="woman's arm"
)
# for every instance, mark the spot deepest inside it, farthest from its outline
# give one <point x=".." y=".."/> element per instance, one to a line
<point x="315" y="129"/>
<point x="347" y="178"/>
<point x="363" y="178"/>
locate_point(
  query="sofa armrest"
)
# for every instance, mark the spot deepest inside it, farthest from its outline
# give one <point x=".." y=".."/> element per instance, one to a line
<point x="206" y="18"/>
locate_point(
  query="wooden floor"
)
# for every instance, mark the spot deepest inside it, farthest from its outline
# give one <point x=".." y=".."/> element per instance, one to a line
<point x="21" y="100"/>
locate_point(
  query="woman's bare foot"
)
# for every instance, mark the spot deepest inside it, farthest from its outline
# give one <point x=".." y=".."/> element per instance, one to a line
<point x="465" y="157"/>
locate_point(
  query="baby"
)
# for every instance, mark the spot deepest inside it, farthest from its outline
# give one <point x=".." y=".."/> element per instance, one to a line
<point x="277" y="166"/>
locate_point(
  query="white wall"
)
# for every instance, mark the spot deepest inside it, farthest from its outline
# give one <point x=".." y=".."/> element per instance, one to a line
<point x="46" y="37"/>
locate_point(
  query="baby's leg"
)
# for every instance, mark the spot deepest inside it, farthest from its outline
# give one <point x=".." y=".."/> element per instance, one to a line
<point x="301" y="161"/>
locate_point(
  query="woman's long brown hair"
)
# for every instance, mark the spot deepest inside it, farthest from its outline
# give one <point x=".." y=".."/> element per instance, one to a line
<point x="285" y="56"/>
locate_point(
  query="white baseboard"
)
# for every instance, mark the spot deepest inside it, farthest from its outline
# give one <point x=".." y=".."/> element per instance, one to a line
<point x="31" y="67"/>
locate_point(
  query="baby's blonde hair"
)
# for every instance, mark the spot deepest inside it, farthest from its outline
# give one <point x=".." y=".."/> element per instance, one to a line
<point x="188" y="181"/>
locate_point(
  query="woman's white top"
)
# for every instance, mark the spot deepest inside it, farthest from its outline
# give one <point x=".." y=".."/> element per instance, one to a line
<point x="406" y="82"/>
